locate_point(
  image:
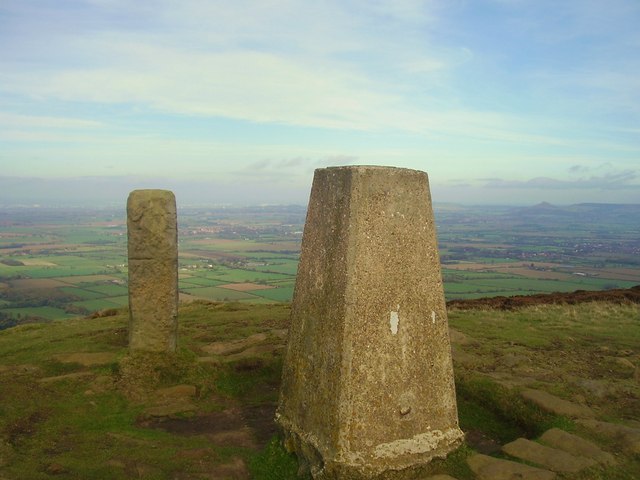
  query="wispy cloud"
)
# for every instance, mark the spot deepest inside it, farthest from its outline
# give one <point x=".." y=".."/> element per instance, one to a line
<point x="286" y="169"/>
<point x="11" y="120"/>
<point x="621" y="180"/>
<point x="250" y="89"/>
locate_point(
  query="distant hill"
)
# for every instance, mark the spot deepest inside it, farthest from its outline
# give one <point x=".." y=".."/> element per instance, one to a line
<point x="584" y="212"/>
<point x="630" y="295"/>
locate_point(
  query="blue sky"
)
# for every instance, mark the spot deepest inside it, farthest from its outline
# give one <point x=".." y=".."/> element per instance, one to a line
<point x="499" y="101"/>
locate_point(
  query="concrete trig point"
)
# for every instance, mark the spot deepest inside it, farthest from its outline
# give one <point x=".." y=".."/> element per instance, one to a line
<point x="153" y="270"/>
<point x="368" y="380"/>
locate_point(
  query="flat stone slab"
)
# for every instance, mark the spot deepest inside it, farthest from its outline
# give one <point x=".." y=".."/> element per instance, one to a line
<point x="177" y="391"/>
<point x="255" y="351"/>
<point x="440" y="477"/>
<point x="551" y="458"/>
<point x="575" y="445"/>
<point x="628" y="437"/>
<point x="87" y="359"/>
<point x="490" y="468"/>
<point x="235" y="346"/>
<point x="172" y="400"/>
<point x="171" y="408"/>
<point x="553" y="404"/>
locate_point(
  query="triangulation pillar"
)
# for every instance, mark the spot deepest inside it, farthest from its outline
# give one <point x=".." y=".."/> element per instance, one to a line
<point x="368" y="383"/>
<point x="153" y="270"/>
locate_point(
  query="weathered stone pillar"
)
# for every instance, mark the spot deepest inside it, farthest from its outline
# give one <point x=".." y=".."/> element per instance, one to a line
<point x="368" y="380"/>
<point x="153" y="270"/>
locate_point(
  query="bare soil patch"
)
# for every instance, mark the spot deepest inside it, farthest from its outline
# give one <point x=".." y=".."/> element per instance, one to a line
<point x="246" y="426"/>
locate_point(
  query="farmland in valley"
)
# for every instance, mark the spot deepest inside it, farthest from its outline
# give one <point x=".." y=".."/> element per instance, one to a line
<point x="59" y="263"/>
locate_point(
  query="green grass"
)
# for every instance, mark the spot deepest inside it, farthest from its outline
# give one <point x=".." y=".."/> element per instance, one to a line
<point x="280" y="294"/>
<point x="289" y="267"/>
<point x="103" y="435"/>
<point x="98" y="304"/>
<point x="109" y="290"/>
<point x="48" y="313"/>
<point x="274" y="463"/>
<point x="121" y="300"/>
<point x="197" y="281"/>
<point x="234" y="275"/>
<point x="82" y="293"/>
<point x="590" y="324"/>
<point x="251" y="380"/>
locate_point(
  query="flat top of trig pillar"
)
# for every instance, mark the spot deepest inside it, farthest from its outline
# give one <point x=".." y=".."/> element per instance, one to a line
<point x="363" y="168"/>
<point x="151" y="191"/>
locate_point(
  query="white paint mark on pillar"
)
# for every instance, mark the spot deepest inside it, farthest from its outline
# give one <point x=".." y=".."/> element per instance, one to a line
<point x="433" y="316"/>
<point x="394" y="320"/>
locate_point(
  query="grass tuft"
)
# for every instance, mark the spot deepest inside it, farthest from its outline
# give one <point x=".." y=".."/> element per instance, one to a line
<point x="274" y="463"/>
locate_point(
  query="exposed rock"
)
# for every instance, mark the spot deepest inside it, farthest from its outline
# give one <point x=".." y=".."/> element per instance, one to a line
<point x="575" y="445"/>
<point x="627" y="437"/>
<point x="595" y="388"/>
<point x="551" y="458"/>
<point x="557" y="405"/>
<point x="490" y="468"/>
<point x="625" y="363"/>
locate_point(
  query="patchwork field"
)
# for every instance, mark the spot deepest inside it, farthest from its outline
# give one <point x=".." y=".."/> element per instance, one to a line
<point x="74" y="261"/>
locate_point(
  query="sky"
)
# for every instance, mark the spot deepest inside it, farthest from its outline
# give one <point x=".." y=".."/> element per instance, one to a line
<point x="238" y="102"/>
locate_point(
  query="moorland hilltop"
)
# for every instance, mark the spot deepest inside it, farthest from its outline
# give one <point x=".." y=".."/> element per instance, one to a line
<point x="537" y="379"/>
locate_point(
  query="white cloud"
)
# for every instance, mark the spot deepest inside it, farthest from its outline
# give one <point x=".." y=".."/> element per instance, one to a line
<point x="408" y="82"/>
<point x="626" y="179"/>
<point x="11" y="120"/>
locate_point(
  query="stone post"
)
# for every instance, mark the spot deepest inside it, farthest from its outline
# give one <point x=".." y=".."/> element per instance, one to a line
<point x="368" y="385"/>
<point x="153" y="270"/>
